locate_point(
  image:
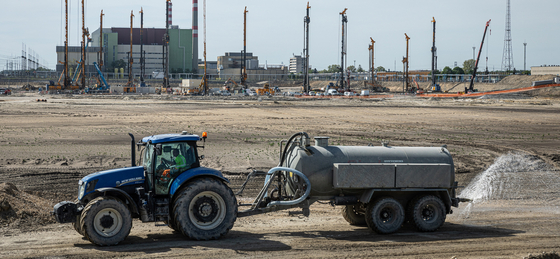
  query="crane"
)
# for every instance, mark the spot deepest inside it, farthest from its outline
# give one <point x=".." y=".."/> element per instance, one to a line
<point x="471" y="86"/>
<point x="435" y="87"/>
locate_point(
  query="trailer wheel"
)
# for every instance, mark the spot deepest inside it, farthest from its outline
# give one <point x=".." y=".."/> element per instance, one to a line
<point x="428" y="213"/>
<point x="106" y="221"/>
<point x="354" y="214"/>
<point x="385" y="215"/>
<point x="205" y="209"/>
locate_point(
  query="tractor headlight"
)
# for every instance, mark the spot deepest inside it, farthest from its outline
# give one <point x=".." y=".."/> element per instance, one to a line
<point x="82" y="189"/>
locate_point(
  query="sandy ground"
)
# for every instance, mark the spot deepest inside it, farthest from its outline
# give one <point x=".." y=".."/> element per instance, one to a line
<point x="48" y="146"/>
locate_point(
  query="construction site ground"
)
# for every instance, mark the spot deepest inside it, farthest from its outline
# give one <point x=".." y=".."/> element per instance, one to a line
<point x="48" y="146"/>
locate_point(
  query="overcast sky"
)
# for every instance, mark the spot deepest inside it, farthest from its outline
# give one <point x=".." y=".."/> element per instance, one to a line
<point x="275" y="29"/>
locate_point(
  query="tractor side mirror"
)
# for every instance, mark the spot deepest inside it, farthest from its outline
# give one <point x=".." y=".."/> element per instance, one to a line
<point x="158" y="149"/>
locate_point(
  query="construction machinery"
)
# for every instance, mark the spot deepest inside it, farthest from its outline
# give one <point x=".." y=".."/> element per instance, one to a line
<point x="265" y="90"/>
<point x="231" y="86"/>
<point x="243" y="76"/>
<point x="306" y="21"/>
<point x="406" y="65"/>
<point x="434" y="87"/>
<point x="102" y="85"/>
<point x="377" y="186"/>
<point x="471" y="85"/>
<point x="344" y="19"/>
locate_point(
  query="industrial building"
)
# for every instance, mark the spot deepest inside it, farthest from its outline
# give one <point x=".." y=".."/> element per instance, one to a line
<point x="116" y="46"/>
<point x="545" y="70"/>
<point x="229" y="65"/>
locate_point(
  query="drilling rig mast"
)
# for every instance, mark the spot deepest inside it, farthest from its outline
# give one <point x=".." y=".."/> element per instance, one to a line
<point x="405" y="60"/>
<point x="343" y="52"/>
<point x="142" y="61"/>
<point x="244" y="58"/>
<point x="434" y="55"/>
<point x="306" y="21"/>
<point x="371" y="49"/>
<point x="471" y="86"/>
<point x="166" y="48"/>
<point x="130" y="59"/>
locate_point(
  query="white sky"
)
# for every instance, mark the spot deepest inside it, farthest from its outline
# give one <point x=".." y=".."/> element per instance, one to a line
<point x="275" y="29"/>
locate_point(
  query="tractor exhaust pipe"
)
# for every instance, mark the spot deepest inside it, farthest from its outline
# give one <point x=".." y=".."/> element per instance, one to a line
<point x="133" y="155"/>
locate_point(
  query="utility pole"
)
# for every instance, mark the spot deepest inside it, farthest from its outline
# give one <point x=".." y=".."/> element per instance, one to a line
<point x="371" y="48"/>
<point x="405" y="60"/>
<point x="434" y="54"/>
<point x="130" y="59"/>
<point x="343" y="51"/>
<point x="142" y="61"/>
<point x="244" y="54"/>
<point x="306" y="21"/>
<point x="473" y="51"/>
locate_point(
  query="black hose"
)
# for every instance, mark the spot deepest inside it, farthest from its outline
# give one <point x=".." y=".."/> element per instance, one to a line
<point x="283" y="157"/>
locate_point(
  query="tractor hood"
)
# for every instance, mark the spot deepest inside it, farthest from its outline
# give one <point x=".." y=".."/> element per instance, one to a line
<point x="114" y="178"/>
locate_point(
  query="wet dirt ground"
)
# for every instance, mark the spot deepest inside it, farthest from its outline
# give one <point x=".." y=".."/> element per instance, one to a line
<point x="48" y="146"/>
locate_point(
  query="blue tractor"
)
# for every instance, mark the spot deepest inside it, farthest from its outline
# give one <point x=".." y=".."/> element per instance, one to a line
<point x="169" y="188"/>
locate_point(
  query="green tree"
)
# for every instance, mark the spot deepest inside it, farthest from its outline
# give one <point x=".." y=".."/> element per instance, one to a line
<point x="351" y="69"/>
<point x="360" y="69"/>
<point x="458" y="70"/>
<point x="468" y="66"/>
<point x="447" y="70"/>
<point x="381" y="69"/>
<point x="334" y="68"/>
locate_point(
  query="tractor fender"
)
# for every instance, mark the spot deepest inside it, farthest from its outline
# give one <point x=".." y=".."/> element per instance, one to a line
<point x="115" y="192"/>
<point x="193" y="173"/>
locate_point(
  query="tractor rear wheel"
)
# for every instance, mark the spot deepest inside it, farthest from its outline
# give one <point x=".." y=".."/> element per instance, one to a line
<point x="354" y="214"/>
<point x="106" y="221"/>
<point x="205" y="209"/>
<point x="384" y="215"/>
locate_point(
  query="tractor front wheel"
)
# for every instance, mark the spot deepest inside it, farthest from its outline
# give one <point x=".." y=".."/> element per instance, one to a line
<point x="106" y="221"/>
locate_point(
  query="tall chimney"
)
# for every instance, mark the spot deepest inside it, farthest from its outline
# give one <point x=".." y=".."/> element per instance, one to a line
<point x="170" y="7"/>
<point x="195" y="36"/>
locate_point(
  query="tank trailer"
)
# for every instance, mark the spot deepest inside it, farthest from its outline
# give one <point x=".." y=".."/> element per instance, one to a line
<point x="377" y="186"/>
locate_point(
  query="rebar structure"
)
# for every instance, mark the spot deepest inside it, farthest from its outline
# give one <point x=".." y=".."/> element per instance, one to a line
<point x="507" y="58"/>
<point x="306" y="21"/>
<point x="343" y="51"/>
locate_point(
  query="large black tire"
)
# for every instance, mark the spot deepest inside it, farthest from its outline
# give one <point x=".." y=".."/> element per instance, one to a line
<point x="106" y="221"/>
<point x="428" y="213"/>
<point x="205" y="209"/>
<point x="354" y="214"/>
<point x="384" y="215"/>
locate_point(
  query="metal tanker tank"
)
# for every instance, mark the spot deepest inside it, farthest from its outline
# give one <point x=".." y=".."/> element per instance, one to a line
<point x="336" y="170"/>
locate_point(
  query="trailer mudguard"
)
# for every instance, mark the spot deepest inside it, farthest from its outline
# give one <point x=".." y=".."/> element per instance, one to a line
<point x="195" y="172"/>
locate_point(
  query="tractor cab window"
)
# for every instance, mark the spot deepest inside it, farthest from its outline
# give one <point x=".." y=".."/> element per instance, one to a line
<point x="175" y="158"/>
<point x="148" y="163"/>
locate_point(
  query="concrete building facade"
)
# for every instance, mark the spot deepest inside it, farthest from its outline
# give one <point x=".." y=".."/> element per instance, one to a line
<point x="297" y="65"/>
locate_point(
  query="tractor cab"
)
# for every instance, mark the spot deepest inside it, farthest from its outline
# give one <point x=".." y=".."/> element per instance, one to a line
<point x="167" y="156"/>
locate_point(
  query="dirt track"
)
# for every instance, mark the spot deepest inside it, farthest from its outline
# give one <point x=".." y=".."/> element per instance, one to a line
<point x="48" y="146"/>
